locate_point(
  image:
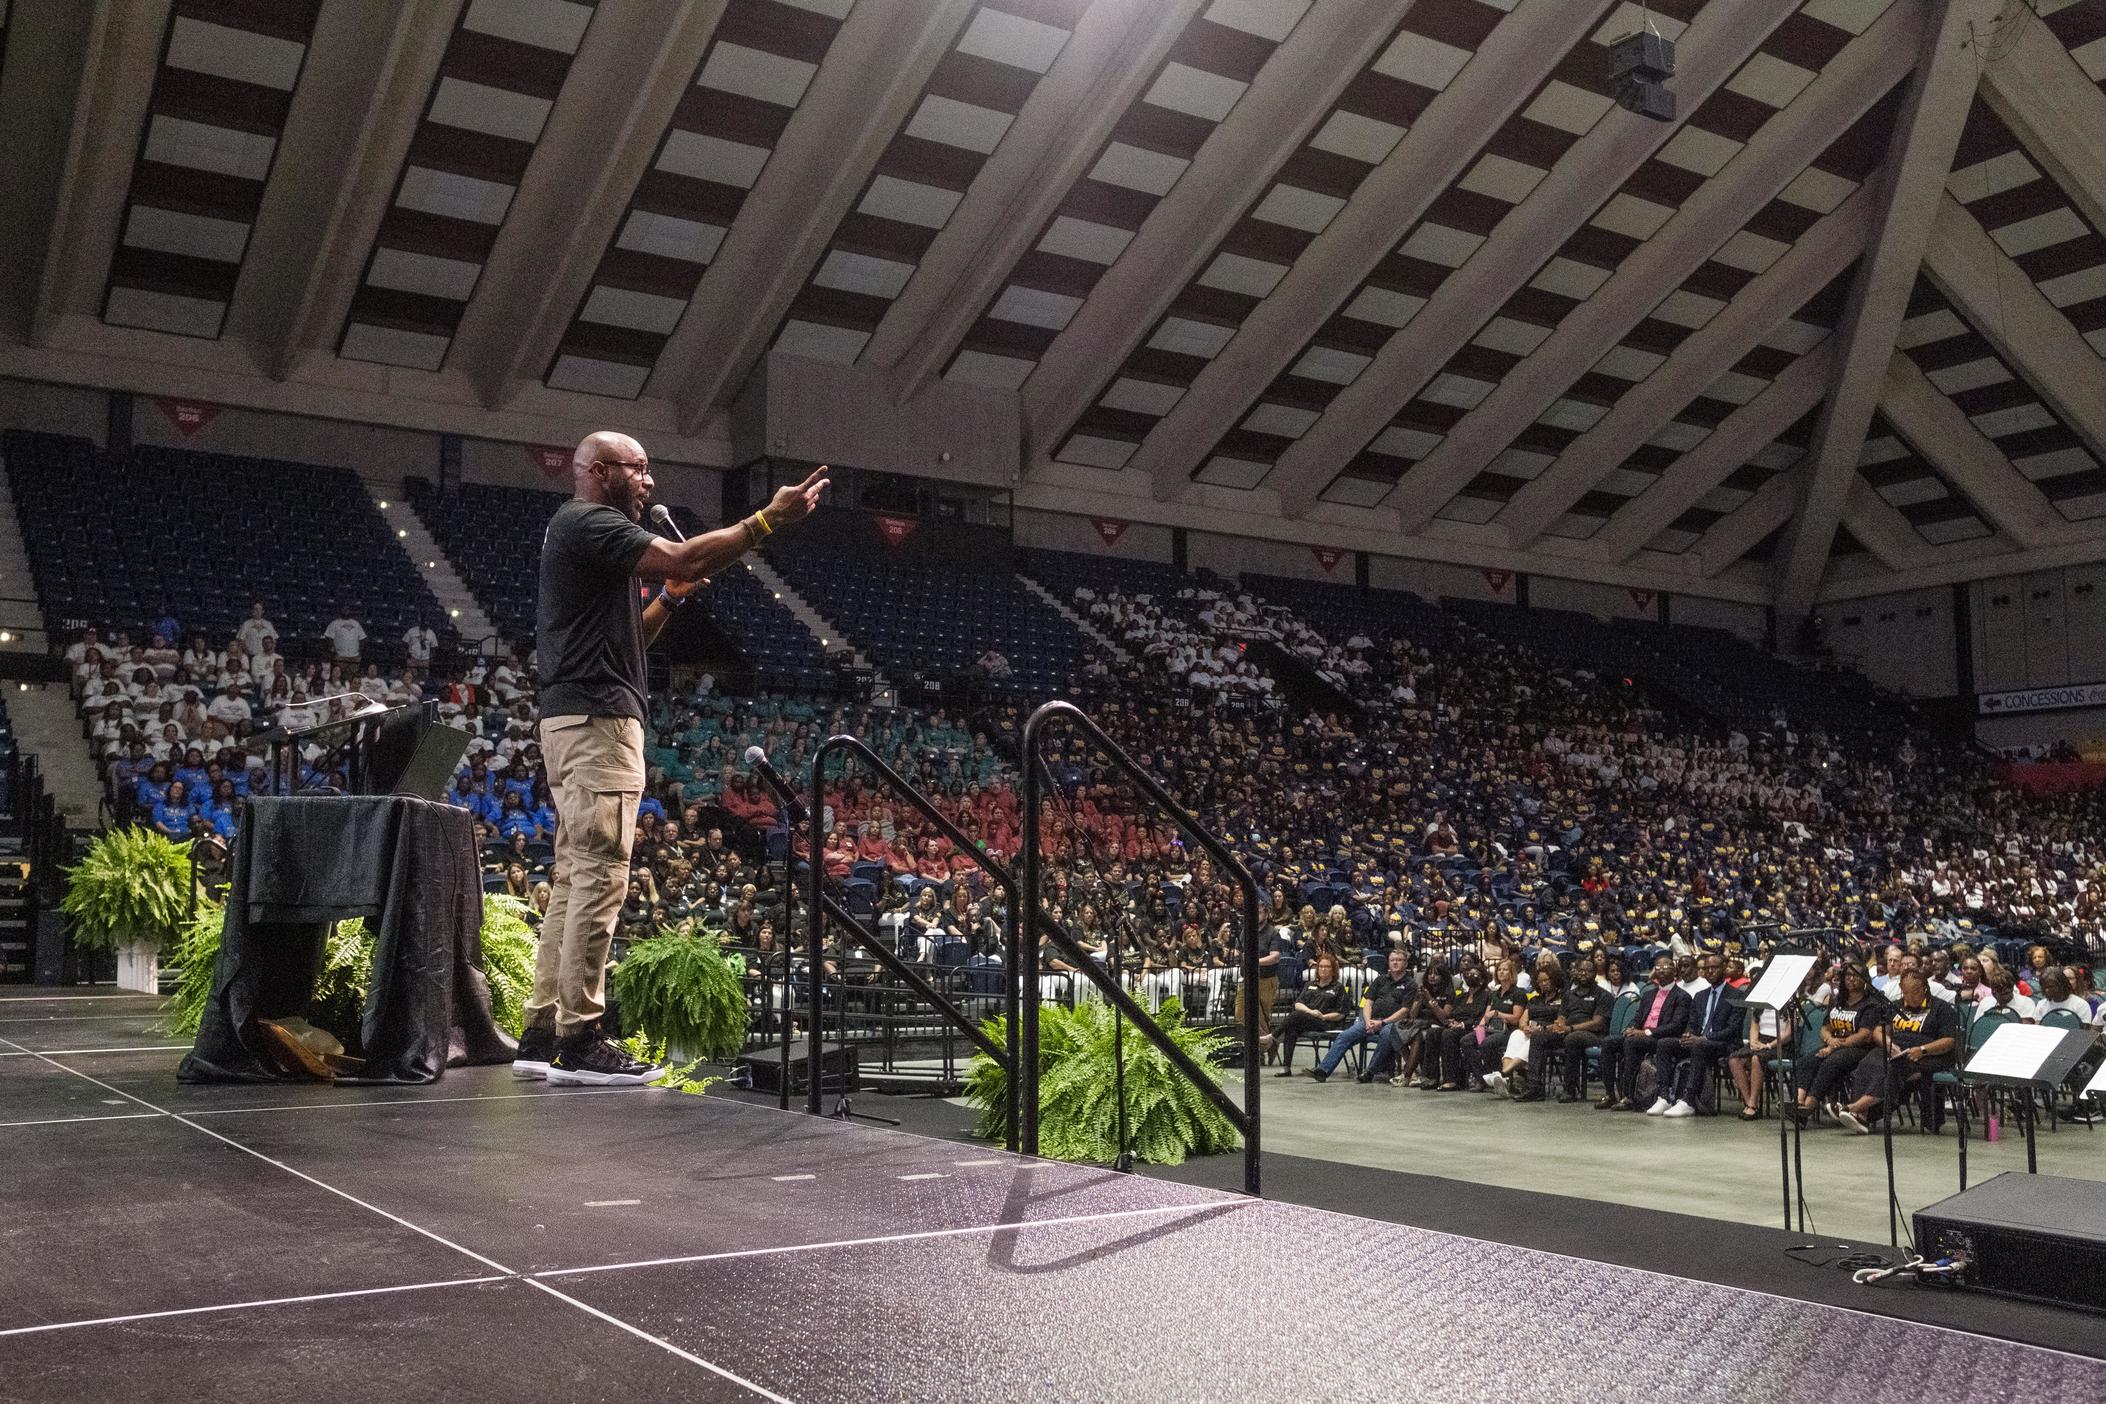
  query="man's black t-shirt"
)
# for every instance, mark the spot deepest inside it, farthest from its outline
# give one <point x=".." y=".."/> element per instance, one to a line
<point x="590" y="627"/>
<point x="1386" y="996"/>
<point x="1580" y="1005"/>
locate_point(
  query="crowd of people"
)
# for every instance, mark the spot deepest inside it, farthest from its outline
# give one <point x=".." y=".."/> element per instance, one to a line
<point x="1479" y="805"/>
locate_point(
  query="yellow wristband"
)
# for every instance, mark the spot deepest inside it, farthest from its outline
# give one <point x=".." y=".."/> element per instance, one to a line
<point x="762" y="518"/>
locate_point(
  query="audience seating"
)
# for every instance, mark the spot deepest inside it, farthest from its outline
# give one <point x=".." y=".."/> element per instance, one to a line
<point x="116" y="540"/>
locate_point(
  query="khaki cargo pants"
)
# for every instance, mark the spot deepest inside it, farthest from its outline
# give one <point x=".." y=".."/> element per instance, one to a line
<point x="596" y="777"/>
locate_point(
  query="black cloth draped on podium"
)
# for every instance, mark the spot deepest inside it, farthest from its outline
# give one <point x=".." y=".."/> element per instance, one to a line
<point x="406" y="865"/>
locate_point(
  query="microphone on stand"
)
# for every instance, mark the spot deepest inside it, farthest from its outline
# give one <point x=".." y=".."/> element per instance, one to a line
<point x="757" y="761"/>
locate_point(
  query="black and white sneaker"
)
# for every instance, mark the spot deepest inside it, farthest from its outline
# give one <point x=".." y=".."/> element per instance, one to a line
<point x="588" y="1060"/>
<point x="536" y="1047"/>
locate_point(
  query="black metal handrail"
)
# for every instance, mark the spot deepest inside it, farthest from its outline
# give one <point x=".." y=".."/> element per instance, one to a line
<point x="1245" y="1117"/>
<point x="1022" y="1111"/>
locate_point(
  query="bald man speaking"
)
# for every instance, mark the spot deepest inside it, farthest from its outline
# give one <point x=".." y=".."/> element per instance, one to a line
<point x="594" y="698"/>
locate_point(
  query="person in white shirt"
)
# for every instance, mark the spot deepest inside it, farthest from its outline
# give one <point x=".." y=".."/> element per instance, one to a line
<point x="230" y="707"/>
<point x="345" y="634"/>
<point x="78" y="649"/>
<point x="255" y="629"/>
<point x="2003" y="990"/>
<point x="300" y="715"/>
<point x="2056" y="992"/>
<point x="263" y="662"/>
<point x="421" y="641"/>
<point x="373" y="684"/>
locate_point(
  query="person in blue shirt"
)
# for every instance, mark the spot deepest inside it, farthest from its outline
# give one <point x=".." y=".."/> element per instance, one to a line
<point x="516" y="818"/>
<point x="222" y="809"/>
<point x="152" y="788"/>
<point x="171" y="816"/>
<point x="543" y="809"/>
<point x="192" y="772"/>
<point x="475" y="801"/>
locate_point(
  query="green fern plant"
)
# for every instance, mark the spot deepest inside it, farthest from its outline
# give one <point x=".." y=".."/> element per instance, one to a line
<point x="646" y="1049"/>
<point x="345" y="977"/>
<point x="132" y="885"/>
<point x="508" y="959"/>
<point x="1168" y="1118"/>
<point x="680" y="989"/>
<point x="196" y="955"/>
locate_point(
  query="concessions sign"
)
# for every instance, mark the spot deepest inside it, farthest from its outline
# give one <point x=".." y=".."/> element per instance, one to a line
<point x="550" y="459"/>
<point x="2042" y="699"/>
<point x="1327" y="556"/>
<point x="188" y="416"/>
<point x="1110" y="528"/>
<point x="894" y="528"/>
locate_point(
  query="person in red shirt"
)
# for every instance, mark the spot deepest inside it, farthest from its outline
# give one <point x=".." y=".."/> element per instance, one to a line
<point x="871" y="846"/>
<point x="840" y="854"/>
<point x="933" y="865"/>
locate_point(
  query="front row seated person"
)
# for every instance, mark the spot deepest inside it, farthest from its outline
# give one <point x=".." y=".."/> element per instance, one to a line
<point x="1382" y="1012"/>
<point x="1319" y="1007"/>
<point x="1854" y="1015"/>
<point x="1916" y="1041"/>
<point x="1572" y="1025"/>
<point x="1662" y="1016"/>
<point x="1683" y="1065"/>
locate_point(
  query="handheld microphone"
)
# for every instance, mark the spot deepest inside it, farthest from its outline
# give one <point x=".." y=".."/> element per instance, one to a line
<point x="662" y="518"/>
<point x="757" y="761"/>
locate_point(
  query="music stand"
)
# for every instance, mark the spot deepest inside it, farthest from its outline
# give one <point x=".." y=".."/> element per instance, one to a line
<point x="2021" y="1057"/>
<point x="1778" y="992"/>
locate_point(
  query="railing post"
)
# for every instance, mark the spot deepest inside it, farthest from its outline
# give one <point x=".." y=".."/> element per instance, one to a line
<point x="1244" y="1118"/>
<point x="818" y="903"/>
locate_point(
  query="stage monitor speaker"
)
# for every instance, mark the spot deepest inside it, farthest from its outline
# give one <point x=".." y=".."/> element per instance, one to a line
<point x="2040" y="1237"/>
<point x="838" y="1068"/>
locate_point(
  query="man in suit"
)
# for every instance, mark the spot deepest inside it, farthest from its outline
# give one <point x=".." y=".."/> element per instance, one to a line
<point x="1662" y="1017"/>
<point x="1684" y="1064"/>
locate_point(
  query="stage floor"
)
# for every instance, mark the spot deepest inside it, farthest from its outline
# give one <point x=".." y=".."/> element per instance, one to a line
<point x="489" y="1239"/>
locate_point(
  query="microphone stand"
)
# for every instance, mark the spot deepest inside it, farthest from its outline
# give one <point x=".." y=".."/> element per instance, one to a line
<point x="1887" y="1110"/>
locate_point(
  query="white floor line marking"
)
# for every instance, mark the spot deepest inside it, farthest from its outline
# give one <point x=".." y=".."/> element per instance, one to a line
<point x="72" y="1018"/>
<point x="664" y="1345"/>
<point x="69" y="999"/>
<point x="415" y="1228"/>
<point x="66" y="1120"/>
<point x="267" y="1160"/>
<point x="61" y="1052"/>
<point x="903" y="1237"/>
<point x="994" y="1160"/>
<point x="411" y="1101"/>
<point x="785" y="1179"/>
<point x="610" y="1203"/>
<point x="247" y="1306"/>
<point x="930" y="1175"/>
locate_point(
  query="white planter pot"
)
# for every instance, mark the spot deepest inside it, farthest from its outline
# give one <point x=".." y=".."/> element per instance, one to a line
<point x="139" y="967"/>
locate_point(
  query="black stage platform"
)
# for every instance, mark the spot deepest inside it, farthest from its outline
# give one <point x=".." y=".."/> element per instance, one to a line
<point x="486" y="1239"/>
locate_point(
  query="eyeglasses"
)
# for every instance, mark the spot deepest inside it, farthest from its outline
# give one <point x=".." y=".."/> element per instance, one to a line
<point x="623" y="463"/>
